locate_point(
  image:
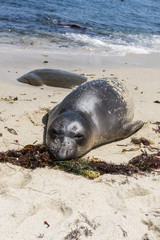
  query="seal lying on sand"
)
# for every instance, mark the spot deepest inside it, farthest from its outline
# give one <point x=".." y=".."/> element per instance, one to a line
<point x="97" y="112"/>
<point x="52" y="77"/>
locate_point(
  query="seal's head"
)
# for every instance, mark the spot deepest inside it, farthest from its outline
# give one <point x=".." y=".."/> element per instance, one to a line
<point x="68" y="136"/>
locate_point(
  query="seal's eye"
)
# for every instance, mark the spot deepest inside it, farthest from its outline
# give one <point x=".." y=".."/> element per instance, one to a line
<point x="53" y="133"/>
<point x="79" y="137"/>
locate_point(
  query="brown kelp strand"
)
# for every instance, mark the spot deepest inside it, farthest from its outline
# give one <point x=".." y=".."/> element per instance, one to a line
<point x="142" y="140"/>
<point x="104" y="167"/>
<point x="146" y="162"/>
<point x="31" y="156"/>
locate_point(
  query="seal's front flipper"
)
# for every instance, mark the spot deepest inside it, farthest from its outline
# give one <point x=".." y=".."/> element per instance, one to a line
<point x="130" y="128"/>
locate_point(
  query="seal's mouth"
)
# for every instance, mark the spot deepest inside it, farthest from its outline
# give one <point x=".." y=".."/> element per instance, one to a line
<point x="61" y="156"/>
<point x="62" y="150"/>
<point x="65" y="153"/>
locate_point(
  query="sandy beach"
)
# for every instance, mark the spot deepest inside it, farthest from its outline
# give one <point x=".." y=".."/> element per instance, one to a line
<point x="54" y="205"/>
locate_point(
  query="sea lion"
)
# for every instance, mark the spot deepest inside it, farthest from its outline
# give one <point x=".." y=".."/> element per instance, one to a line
<point x="52" y="77"/>
<point x="95" y="113"/>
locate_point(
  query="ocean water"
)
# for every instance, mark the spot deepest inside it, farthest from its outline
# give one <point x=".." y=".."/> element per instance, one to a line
<point x="108" y="26"/>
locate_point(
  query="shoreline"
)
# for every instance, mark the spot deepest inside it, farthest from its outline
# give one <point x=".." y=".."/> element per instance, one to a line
<point x="67" y="58"/>
<point x="106" y="207"/>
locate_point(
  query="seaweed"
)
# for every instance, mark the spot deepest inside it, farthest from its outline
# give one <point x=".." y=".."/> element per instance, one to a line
<point x="130" y="150"/>
<point x="157" y="130"/>
<point x="142" y="140"/>
<point x="9" y="99"/>
<point x="46" y="223"/>
<point x="82" y="226"/>
<point x="104" y="168"/>
<point x="146" y="162"/>
<point x="31" y="156"/>
<point x="34" y="156"/>
<point x="11" y="130"/>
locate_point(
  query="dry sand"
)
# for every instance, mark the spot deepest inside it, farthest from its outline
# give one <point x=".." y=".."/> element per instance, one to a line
<point x="51" y="204"/>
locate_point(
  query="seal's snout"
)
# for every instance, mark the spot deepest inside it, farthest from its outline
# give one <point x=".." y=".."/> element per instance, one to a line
<point x="67" y="149"/>
<point x="63" y="149"/>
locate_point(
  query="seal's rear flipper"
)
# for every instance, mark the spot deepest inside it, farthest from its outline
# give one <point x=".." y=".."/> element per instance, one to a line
<point x="130" y="128"/>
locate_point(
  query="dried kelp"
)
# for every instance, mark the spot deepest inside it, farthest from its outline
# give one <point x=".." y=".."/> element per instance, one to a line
<point x="130" y="150"/>
<point x="138" y="141"/>
<point x="78" y="166"/>
<point x="157" y="130"/>
<point x="142" y="140"/>
<point x="11" y="130"/>
<point x="104" y="167"/>
<point x="33" y="156"/>
<point x="146" y="162"/>
<point x="9" y="99"/>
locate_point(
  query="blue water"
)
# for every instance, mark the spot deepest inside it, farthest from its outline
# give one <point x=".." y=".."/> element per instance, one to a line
<point x="109" y="26"/>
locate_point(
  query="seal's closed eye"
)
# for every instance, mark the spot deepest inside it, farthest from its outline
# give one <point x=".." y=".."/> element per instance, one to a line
<point x="79" y="135"/>
<point x="79" y="138"/>
<point x="53" y="133"/>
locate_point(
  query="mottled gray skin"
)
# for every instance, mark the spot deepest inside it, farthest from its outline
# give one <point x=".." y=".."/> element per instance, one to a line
<point x="97" y="112"/>
<point x="52" y="77"/>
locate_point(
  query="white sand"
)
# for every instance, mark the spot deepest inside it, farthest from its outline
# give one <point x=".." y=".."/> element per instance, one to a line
<point x="109" y="207"/>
